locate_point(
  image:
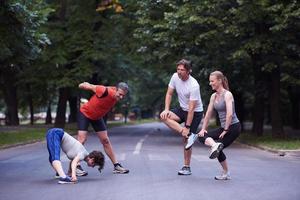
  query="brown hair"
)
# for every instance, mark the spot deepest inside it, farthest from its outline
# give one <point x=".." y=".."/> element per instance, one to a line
<point x="98" y="158"/>
<point x="221" y="77"/>
<point x="186" y="63"/>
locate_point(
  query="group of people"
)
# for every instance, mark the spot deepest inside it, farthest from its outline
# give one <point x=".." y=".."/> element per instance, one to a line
<point x="189" y="112"/>
<point x="91" y="112"/>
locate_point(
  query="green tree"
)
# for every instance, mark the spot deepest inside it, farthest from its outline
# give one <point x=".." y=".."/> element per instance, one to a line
<point x="273" y="56"/>
<point x="244" y="38"/>
<point x="85" y="47"/>
<point x="20" y="43"/>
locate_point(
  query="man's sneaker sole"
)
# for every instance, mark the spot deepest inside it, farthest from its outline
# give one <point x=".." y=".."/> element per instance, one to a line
<point x="185" y="171"/>
<point x="183" y="174"/>
<point x="64" y="182"/>
<point x="216" y="153"/>
<point x="82" y="174"/>
<point x="223" y="179"/>
<point x="120" y="172"/>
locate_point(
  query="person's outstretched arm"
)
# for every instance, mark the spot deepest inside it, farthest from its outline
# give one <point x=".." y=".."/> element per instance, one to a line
<point x="74" y="163"/>
<point x="87" y="86"/>
<point x="207" y="116"/>
<point x="165" y="114"/>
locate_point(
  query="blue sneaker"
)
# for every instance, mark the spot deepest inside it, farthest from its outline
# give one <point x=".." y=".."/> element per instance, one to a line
<point x="66" y="180"/>
<point x="192" y="138"/>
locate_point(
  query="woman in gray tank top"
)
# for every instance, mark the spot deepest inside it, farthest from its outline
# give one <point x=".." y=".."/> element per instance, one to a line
<point x="222" y="101"/>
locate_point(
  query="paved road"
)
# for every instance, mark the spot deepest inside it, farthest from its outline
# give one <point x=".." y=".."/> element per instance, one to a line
<point x="154" y="155"/>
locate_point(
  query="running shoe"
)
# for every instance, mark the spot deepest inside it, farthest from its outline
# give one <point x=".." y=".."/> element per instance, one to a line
<point x="66" y="180"/>
<point x="80" y="171"/>
<point x="192" y="138"/>
<point x="119" y="169"/>
<point x="223" y="176"/>
<point x="185" y="170"/>
<point x="215" y="150"/>
<point x="56" y="176"/>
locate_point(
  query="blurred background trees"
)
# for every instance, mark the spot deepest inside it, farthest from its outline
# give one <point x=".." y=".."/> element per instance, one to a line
<point x="49" y="46"/>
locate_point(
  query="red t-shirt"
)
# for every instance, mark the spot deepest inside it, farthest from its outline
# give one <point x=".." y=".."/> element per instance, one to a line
<point x="98" y="106"/>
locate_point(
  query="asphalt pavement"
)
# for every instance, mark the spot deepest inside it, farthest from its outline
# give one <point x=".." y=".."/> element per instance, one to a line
<point x="154" y="154"/>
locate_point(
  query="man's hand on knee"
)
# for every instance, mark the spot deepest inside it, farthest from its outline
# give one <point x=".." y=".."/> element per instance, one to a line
<point x="165" y="114"/>
<point x="185" y="132"/>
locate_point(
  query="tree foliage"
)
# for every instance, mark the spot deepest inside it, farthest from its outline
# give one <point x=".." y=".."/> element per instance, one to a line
<point x="255" y="44"/>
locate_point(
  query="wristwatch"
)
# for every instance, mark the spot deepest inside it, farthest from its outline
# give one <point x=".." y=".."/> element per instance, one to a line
<point x="187" y="126"/>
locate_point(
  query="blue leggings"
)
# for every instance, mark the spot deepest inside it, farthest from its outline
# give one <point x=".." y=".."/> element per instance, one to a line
<point x="234" y="131"/>
<point x="54" y="137"/>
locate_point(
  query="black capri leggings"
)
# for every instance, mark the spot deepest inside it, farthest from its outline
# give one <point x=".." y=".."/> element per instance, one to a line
<point x="234" y="131"/>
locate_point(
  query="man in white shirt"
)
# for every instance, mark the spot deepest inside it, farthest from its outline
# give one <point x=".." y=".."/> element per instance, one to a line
<point x="190" y="110"/>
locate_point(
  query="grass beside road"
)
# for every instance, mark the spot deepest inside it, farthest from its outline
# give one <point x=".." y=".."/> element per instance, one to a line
<point x="30" y="134"/>
<point x="267" y="141"/>
<point x="20" y="137"/>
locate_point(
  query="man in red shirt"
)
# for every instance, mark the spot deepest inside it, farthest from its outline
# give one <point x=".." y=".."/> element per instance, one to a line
<point x="93" y="111"/>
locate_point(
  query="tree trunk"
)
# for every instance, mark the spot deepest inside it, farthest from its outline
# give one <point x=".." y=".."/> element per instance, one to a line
<point x="239" y="107"/>
<point x="73" y="109"/>
<point x="294" y="94"/>
<point x="10" y="96"/>
<point x="60" y="119"/>
<point x="30" y="103"/>
<point x="259" y="97"/>
<point x="276" y="121"/>
<point x="258" y="115"/>
<point x="49" y="116"/>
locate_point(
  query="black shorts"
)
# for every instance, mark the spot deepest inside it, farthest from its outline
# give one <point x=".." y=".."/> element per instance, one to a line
<point x="234" y="131"/>
<point x="83" y="123"/>
<point x="183" y="115"/>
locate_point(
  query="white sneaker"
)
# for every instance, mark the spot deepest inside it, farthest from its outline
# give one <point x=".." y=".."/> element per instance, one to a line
<point x="185" y="171"/>
<point x="119" y="169"/>
<point x="191" y="140"/>
<point x="223" y="176"/>
<point x="215" y="150"/>
<point x="56" y="176"/>
<point x="80" y="171"/>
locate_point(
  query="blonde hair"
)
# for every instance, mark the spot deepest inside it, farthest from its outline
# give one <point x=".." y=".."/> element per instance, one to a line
<point x="219" y="75"/>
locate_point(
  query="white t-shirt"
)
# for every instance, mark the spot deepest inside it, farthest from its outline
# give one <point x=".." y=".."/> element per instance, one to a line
<point x="186" y="91"/>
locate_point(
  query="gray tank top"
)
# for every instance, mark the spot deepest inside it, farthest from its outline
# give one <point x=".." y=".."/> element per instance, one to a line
<point x="220" y="107"/>
<point x="73" y="147"/>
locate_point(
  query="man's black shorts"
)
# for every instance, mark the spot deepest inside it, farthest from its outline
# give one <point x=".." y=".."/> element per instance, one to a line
<point x="183" y="115"/>
<point x="83" y="123"/>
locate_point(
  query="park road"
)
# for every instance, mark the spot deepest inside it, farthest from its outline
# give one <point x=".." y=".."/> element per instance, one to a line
<point x="154" y="154"/>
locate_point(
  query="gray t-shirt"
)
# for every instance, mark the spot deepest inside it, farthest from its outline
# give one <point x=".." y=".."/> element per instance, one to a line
<point x="220" y="107"/>
<point x="73" y="147"/>
<point x="186" y="91"/>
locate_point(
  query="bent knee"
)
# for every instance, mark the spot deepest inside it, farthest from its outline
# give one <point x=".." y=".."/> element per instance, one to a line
<point x="82" y="138"/>
<point x="163" y="119"/>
